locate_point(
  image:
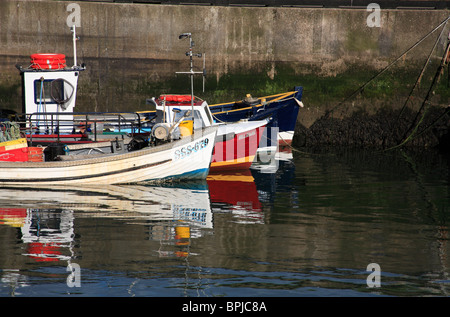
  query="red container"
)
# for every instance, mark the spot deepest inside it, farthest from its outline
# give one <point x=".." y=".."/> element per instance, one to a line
<point x="35" y="154"/>
<point x="14" y="155"/>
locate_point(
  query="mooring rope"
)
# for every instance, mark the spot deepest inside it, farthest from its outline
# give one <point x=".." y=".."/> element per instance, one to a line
<point x="425" y="103"/>
<point x="437" y="76"/>
<point x="419" y="77"/>
<point x="361" y="88"/>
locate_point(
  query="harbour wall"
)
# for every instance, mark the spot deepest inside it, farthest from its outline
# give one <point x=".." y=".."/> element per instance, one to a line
<point x="132" y="51"/>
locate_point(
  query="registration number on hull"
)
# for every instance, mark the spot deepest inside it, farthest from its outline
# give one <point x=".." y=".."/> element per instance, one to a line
<point x="185" y="151"/>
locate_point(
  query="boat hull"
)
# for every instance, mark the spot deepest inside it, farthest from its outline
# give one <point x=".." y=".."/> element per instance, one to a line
<point x="187" y="158"/>
<point x="282" y="110"/>
<point x="236" y="145"/>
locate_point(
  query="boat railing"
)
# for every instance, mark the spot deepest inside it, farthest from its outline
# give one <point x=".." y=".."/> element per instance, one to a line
<point x="82" y="124"/>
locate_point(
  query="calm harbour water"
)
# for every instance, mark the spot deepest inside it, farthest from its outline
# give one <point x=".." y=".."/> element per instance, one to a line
<point x="308" y="228"/>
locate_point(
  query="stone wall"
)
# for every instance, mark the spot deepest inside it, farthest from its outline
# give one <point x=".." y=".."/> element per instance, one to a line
<point x="132" y="51"/>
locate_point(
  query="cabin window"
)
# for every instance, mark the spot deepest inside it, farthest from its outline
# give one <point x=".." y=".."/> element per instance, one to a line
<point x="208" y="114"/>
<point x="48" y="91"/>
<point x="198" y="121"/>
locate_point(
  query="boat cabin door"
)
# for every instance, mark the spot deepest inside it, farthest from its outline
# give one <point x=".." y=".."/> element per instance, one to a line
<point x="47" y="95"/>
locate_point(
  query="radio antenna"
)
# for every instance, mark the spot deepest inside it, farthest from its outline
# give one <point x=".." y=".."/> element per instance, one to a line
<point x="191" y="72"/>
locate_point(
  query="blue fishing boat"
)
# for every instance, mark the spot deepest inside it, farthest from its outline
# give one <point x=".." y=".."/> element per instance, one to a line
<point x="281" y="110"/>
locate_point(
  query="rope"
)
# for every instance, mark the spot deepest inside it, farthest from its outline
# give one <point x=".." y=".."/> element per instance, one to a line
<point x="435" y="121"/>
<point x="443" y="61"/>
<point x="425" y="103"/>
<point x="387" y="67"/>
<point x="288" y="145"/>
<point x="218" y="119"/>
<point x="9" y="131"/>
<point x="419" y="77"/>
<point x="42" y="107"/>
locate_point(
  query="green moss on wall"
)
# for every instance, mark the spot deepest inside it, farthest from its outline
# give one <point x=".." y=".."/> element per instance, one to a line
<point x="360" y="41"/>
<point x="130" y="94"/>
<point x="10" y="96"/>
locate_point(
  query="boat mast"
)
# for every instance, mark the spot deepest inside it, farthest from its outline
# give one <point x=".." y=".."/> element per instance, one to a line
<point x="191" y="72"/>
<point x="74" y="39"/>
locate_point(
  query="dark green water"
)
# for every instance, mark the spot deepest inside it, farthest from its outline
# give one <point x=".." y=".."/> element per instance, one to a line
<point x="308" y="228"/>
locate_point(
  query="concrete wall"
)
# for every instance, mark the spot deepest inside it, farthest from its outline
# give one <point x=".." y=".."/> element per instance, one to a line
<point x="133" y="50"/>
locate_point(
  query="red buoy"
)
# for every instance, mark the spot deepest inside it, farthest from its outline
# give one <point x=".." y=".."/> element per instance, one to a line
<point x="48" y="61"/>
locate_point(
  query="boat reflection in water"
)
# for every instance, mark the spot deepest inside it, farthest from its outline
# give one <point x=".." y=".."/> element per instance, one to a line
<point x="47" y="233"/>
<point x="236" y="192"/>
<point x="46" y="229"/>
<point x="173" y="213"/>
<point x="45" y="216"/>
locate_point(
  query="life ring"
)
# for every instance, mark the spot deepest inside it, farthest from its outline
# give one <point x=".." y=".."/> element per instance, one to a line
<point x="48" y="61"/>
<point x="176" y="98"/>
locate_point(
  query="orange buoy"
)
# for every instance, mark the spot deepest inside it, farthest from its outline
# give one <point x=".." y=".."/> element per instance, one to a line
<point x="48" y="61"/>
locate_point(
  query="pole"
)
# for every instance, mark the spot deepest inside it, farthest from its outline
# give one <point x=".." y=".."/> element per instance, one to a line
<point x="74" y="38"/>
<point x="191" y="72"/>
<point x="192" y="76"/>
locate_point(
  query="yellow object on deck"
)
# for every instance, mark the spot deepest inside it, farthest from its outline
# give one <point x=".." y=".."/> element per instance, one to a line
<point x="14" y="144"/>
<point x="186" y="127"/>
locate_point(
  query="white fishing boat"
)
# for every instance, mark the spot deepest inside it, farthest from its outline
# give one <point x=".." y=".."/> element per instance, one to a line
<point x="47" y="82"/>
<point x="162" y="162"/>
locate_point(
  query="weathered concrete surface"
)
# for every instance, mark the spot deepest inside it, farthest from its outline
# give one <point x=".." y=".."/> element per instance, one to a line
<point x="132" y="51"/>
<point x="229" y="35"/>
